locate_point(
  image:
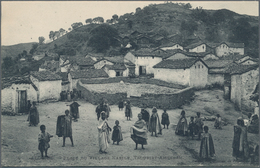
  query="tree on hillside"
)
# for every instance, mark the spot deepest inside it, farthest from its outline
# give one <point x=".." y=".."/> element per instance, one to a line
<point x="130" y="24"/>
<point x="138" y="10"/>
<point x="115" y="18"/>
<point x="69" y="29"/>
<point x="102" y="37"/>
<point x="51" y="35"/>
<point x="34" y="47"/>
<point x="187" y="28"/>
<point x="76" y="25"/>
<point x="98" y="20"/>
<point x="56" y="34"/>
<point x="8" y="62"/>
<point x="109" y="21"/>
<point x="62" y="31"/>
<point x="41" y="39"/>
<point x="88" y="21"/>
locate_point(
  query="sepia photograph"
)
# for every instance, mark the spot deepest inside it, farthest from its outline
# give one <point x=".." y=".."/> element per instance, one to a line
<point x="129" y="83"/>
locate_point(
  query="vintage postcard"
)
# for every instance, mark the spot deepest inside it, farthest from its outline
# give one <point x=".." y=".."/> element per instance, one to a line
<point x="130" y="83"/>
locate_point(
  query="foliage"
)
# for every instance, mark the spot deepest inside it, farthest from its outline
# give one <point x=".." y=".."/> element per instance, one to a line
<point x="102" y="37"/>
<point x="98" y="20"/>
<point x="76" y="25"/>
<point x="88" y="21"/>
<point x="51" y="35"/>
<point x="41" y="39"/>
<point x="8" y="62"/>
<point x="62" y="31"/>
<point x="34" y="47"/>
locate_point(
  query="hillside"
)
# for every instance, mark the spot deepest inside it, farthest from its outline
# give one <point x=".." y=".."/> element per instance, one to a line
<point x="168" y="19"/>
<point x="14" y="50"/>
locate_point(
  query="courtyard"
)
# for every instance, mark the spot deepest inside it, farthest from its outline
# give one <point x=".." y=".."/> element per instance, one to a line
<point x="20" y="143"/>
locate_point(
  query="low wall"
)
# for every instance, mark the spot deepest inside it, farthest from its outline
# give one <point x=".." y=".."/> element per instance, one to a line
<point x="164" y="101"/>
<point x="95" y="97"/>
<point x="161" y="101"/>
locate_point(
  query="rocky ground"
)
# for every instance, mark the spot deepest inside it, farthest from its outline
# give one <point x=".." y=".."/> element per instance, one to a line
<point x="20" y="146"/>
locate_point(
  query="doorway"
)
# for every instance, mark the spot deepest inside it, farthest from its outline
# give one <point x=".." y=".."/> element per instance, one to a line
<point x="22" y="101"/>
<point x="142" y="70"/>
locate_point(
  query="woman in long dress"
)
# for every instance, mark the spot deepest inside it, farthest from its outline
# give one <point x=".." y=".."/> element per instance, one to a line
<point x="182" y="126"/>
<point x="103" y="133"/>
<point x="207" y="150"/>
<point x="33" y="115"/>
<point x="139" y="132"/>
<point x="154" y="123"/>
<point x="240" y="144"/>
<point x="198" y="125"/>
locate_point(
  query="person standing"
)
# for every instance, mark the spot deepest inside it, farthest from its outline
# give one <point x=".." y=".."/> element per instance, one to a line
<point x="74" y="109"/>
<point x="198" y="125"/>
<point x="128" y="110"/>
<point x="29" y="105"/>
<point x="165" y="119"/>
<point x="240" y="144"/>
<point x="67" y="128"/>
<point x="103" y="133"/>
<point x="145" y="116"/>
<point x="44" y="139"/>
<point x="182" y="126"/>
<point x="154" y="123"/>
<point x="121" y="105"/>
<point x="139" y="132"/>
<point x="101" y="107"/>
<point x="191" y="127"/>
<point x="117" y="133"/>
<point x="34" y="115"/>
<point x="207" y="150"/>
<point x="218" y="124"/>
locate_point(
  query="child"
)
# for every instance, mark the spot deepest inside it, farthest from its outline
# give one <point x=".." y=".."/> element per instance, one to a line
<point x="117" y="134"/>
<point x="165" y="119"/>
<point x="44" y="139"/>
<point x="191" y="127"/>
<point x="206" y="147"/>
<point x="67" y="128"/>
<point x="217" y="124"/>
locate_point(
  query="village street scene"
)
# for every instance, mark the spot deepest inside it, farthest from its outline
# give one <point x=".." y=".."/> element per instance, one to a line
<point x="170" y="84"/>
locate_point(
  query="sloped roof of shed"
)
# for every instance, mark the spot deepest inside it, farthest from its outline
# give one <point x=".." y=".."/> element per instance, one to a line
<point x="90" y="73"/>
<point x="45" y="75"/>
<point x="177" y="64"/>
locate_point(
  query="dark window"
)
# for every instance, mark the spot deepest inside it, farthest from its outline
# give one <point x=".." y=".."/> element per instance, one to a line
<point x="199" y="66"/>
<point x="195" y="67"/>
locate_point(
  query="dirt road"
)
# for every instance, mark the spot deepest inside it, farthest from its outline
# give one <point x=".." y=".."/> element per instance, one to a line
<point x="19" y="142"/>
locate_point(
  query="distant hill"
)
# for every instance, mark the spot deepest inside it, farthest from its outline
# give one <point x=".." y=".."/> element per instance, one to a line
<point x="14" y="50"/>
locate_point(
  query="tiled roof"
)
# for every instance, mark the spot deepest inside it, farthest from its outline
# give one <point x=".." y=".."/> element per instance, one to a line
<point x="145" y="52"/>
<point x="50" y="65"/>
<point x="212" y="63"/>
<point x="63" y="75"/>
<point x="90" y="73"/>
<point x="234" y="45"/>
<point x="193" y="45"/>
<point x="176" y="64"/>
<point x="234" y="57"/>
<point x="115" y="59"/>
<point x="87" y="61"/>
<point x="116" y="67"/>
<point x="8" y="81"/>
<point x="168" y="44"/>
<point x="45" y="75"/>
<point x="240" y="69"/>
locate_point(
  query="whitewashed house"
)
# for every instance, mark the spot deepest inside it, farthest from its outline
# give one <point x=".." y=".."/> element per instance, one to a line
<point x="171" y="46"/>
<point x="198" y="47"/>
<point x="15" y="97"/>
<point x="75" y="76"/>
<point x="47" y="83"/>
<point x="144" y="60"/>
<point x="116" y="66"/>
<point x="216" y="70"/>
<point x="244" y="78"/>
<point x="190" y="72"/>
<point x="226" y="48"/>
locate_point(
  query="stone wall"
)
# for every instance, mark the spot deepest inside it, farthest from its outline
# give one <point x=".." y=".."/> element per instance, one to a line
<point x="95" y="97"/>
<point x="161" y="101"/>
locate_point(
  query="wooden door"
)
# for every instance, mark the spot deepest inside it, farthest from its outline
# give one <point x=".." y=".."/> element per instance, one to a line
<point x="22" y="101"/>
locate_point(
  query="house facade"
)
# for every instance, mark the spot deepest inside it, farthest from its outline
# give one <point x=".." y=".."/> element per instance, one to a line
<point x="16" y="96"/>
<point x="48" y="85"/>
<point x="116" y="70"/>
<point x="198" y="47"/>
<point x="226" y="48"/>
<point x="171" y="46"/>
<point x="189" y="72"/>
<point x="244" y="78"/>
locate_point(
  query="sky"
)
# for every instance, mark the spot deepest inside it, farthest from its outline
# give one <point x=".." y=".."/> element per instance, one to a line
<point x="25" y="21"/>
